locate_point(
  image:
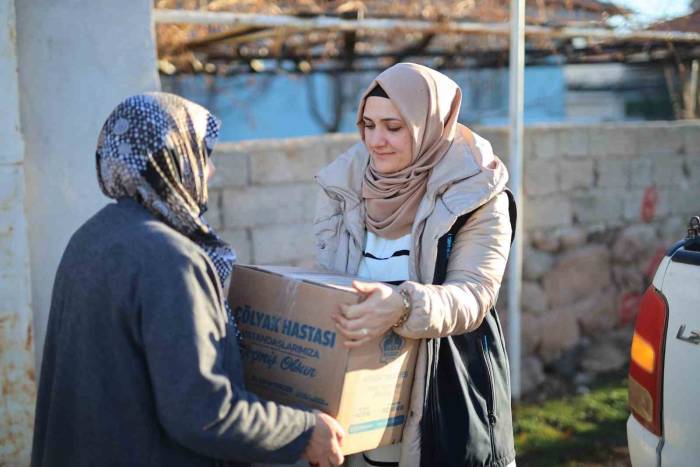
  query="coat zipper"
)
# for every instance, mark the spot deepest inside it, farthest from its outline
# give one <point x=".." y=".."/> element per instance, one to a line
<point x="491" y="403"/>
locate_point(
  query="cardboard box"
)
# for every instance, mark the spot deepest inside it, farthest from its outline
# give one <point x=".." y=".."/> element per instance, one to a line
<point x="293" y="354"/>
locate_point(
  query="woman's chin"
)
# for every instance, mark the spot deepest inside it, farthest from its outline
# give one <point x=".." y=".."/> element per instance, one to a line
<point x="384" y="165"/>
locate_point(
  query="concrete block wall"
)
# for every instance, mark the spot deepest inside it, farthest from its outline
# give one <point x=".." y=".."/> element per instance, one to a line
<point x="602" y="202"/>
<point x="263" y="196"/>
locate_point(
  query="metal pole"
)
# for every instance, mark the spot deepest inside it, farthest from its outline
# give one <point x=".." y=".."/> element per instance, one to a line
<point x="516" y="104"/>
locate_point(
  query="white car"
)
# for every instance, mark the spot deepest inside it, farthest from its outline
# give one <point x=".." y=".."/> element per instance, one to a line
<point x="664" y="377"/>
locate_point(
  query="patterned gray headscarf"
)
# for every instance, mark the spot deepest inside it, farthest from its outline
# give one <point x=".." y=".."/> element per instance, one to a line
<point x="154" y="148"/>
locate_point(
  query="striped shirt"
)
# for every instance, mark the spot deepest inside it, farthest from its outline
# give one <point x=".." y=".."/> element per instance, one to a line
<point x="385" y="260"/>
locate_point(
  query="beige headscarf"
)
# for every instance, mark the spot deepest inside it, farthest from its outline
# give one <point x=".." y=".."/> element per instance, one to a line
<point x="428" y="102"/>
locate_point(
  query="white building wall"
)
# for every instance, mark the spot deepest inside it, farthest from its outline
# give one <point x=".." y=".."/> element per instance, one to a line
<point x="594" y="106"/>
<point x="63" y="67"/>
<point x="77" y="60"/>
<point x="16" y="349"/>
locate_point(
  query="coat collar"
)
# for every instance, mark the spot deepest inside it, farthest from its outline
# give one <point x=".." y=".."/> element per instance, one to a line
<point x="463" y="162"/>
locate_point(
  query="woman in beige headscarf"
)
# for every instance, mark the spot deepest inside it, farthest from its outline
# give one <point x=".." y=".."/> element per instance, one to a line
<point x="420" y="211"/>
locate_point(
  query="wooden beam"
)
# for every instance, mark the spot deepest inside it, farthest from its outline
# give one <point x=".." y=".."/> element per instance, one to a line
<point x="241" y="32"/>
<point x="488" y="57"/>
<point x="202" y="17"/>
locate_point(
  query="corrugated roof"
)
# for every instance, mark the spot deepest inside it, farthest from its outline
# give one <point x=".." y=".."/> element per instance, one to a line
<point x="689" y="23"/>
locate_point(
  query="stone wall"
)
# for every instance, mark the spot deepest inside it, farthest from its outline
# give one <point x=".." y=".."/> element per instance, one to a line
<point x="263" y="195"/>
<point x="601" y="205"/>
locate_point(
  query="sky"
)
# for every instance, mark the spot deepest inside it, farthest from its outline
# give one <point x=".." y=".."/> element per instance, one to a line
<point x="654" y="10"/>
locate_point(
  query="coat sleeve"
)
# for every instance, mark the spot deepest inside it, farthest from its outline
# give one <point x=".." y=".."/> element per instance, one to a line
<point x="198" y="402"/>
<point x="474" y="273"/>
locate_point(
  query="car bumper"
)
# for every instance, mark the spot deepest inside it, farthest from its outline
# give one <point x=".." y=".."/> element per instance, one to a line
<point x="642" y="444"/>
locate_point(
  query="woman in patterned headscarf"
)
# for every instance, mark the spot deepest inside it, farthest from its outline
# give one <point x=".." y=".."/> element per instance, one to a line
<point x="141" y="364"/>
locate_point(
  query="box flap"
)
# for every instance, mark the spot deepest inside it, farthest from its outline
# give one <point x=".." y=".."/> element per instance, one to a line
<point x="319" y="277"/>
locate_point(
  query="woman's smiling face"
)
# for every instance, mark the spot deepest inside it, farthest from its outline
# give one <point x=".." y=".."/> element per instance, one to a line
<point x="386" y="136"/>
